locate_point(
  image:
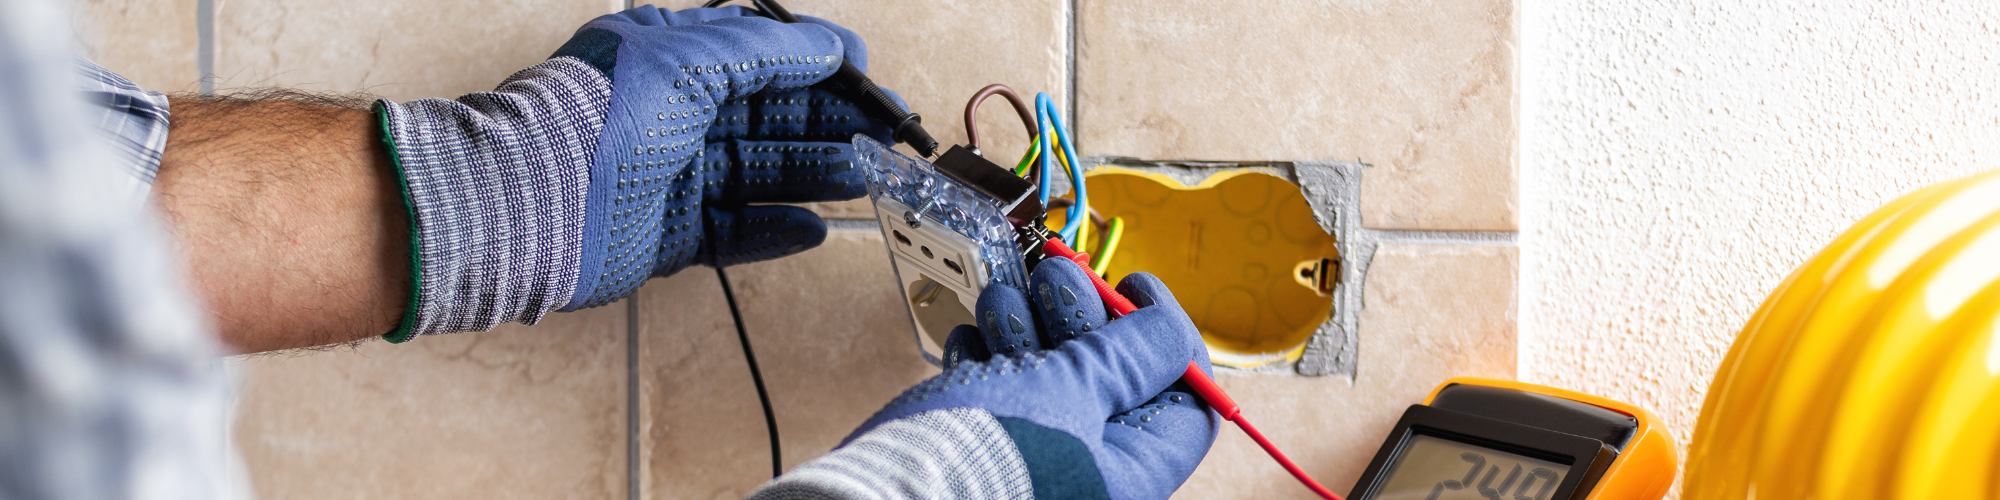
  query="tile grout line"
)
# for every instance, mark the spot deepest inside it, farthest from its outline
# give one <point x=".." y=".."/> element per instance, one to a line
<point x="868" y="225"/>
<point x="631" y="381"/>
<point x="1413" y="236"/>
<point x="632" y="397"/>
<point x="1070" y="60"/>
<point x="204" y="55"/>
<point x="1437" y="237"/>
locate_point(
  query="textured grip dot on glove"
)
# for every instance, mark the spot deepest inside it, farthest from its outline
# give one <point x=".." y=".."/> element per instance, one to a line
<point x="711" y="112"/>
<point x="577" y="179"/>
<point x="1078" y="392"/>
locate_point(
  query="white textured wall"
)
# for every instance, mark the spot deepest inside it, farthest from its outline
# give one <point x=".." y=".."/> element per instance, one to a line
<point x="1680" y="158"/>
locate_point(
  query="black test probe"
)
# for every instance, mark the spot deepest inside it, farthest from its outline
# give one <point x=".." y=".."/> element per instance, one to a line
<point x="861" y="91"/>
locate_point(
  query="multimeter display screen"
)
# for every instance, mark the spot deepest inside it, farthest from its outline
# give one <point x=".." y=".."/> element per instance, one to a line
<point x="1432" y="468"/>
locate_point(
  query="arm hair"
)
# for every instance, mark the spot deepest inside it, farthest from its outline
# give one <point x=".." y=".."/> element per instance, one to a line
<point x="289" y="215"/>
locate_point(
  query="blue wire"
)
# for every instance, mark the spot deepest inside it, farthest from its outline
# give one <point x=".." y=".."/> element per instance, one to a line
<point x="1042" y="142"/>
<point x="1046" y="107"/>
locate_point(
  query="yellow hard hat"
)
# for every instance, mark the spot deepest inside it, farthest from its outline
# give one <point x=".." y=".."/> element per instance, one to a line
<point x="1872" y="371"/>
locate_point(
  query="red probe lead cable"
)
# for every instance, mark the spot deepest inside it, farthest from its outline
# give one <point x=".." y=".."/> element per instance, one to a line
<point x="1203" y="385"/>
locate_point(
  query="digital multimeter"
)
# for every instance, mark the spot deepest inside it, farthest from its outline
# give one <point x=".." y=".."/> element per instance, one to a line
<point x="1477" y="438"/>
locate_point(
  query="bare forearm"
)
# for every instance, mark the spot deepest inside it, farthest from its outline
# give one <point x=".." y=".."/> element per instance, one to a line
<point x="290" y="218"/>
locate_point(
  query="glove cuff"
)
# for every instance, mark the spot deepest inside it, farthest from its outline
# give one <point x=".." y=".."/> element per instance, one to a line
<point x="951" y="453"/>
<point x="496" y="183"/>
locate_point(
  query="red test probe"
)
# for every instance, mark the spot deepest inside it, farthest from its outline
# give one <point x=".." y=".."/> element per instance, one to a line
<point x="1203" y="385"/>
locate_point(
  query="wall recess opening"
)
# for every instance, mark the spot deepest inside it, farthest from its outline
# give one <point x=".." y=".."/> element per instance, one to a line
<point x="1241" y="249"/>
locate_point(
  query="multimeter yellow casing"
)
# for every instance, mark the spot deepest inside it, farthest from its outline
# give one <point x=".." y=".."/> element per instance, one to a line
<point x="1476" y="438"/>
<point x="1643" y="470"/>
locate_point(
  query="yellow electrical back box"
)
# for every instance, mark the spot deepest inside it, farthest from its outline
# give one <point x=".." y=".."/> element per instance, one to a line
<point x="1241" y="250"/>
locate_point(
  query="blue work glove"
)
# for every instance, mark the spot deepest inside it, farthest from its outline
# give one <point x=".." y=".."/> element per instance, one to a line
<point x="643" y="146"/>
<point x="1047" y="390"/>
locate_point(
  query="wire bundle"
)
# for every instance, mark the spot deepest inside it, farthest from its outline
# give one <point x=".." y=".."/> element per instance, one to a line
<point x="1052" y="146"/>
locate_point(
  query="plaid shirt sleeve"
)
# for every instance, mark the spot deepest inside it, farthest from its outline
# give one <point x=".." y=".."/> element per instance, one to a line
<point x="132" y="120"/>
<point x="113" y="386"/>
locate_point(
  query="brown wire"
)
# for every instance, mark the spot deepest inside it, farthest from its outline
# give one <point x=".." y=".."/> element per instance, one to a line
<point x="972" y="112"/>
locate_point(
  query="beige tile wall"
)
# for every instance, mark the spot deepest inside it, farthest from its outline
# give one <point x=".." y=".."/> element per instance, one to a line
<point x="1421" y="90"/>
<point x="520" y="412"/>
<point x="152" y="42"/>
<point x="935" y="54"/>
<point x="1424" y="91"/>
<point x="832" y="340"/>
<point x="399" y="49"/>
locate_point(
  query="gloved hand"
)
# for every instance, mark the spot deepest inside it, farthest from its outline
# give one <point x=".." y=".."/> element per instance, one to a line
<point x="1045" y="398"/>
<point x="635" y="151"/>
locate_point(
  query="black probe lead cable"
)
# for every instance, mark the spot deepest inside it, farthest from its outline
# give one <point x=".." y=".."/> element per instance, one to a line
<point x="750" y="354"/>
<point x="860" y="91"/>
<point x="756" y="376"/>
